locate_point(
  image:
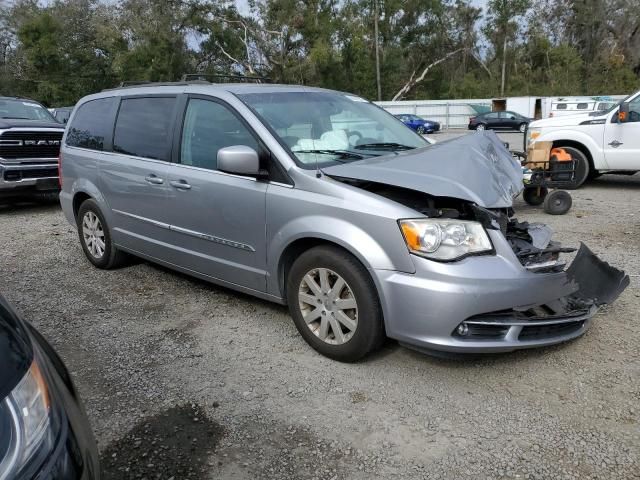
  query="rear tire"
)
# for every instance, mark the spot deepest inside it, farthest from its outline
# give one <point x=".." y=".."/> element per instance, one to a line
<point x="420" y="130"/>
<point x="522" y="127"/>
<point x="558" y="202"/>
<point x="480" y="127"/>
<point x="534" y="195"/>
<point x="95" y="237"/>
<point x="345" y="330"/>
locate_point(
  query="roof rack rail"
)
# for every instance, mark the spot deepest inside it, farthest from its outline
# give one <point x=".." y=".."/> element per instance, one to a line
<point x="217" y="78"/>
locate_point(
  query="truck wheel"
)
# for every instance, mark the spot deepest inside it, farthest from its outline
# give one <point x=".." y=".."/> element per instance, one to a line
<point x="95" y="237"/>
<point x="557" y="202"/>
<point x="534" y="195"/>
<point x="582" y="167"/>
<point x="334" y="304"/>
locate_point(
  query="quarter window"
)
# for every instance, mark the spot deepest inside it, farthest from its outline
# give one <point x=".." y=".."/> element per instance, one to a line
<point x="208" y="127"/>
<point x="583" y="106"/>
<point x="143" y="127"/>
<point x="91" y="124"/>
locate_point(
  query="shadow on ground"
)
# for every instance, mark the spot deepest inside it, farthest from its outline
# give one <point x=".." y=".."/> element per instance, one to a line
<point x="175" y="443"/>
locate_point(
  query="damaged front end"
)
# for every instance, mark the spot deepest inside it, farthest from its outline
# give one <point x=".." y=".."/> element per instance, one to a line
<point x="548" y="301"/>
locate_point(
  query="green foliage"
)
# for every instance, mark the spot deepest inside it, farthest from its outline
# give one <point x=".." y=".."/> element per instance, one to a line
<point x="60" y="50"/>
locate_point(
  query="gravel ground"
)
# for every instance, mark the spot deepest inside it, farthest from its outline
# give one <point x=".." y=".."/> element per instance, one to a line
<point x="183" y="379"/>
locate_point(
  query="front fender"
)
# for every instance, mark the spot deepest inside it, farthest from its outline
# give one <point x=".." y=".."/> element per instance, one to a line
<point x="340" y="232"/>
<point x="571" y="135"/>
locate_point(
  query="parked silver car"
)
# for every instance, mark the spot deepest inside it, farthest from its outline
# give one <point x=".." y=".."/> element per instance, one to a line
<point x="323" y="201"/>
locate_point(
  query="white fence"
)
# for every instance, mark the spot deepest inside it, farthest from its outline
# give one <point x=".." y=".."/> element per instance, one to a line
<point x="449" y="113"/>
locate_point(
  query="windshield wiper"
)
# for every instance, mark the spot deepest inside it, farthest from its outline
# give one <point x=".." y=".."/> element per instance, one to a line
<point x="341" y="153"/>
<point x="384" y="146"/>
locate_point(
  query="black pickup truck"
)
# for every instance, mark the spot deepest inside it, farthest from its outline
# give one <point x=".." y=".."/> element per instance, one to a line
<point x="29" y="147"/>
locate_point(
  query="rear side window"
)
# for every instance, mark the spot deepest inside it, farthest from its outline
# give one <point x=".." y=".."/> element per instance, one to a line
<point x="583" y="106"/>
<point x="143" y="127"/>
<point x="561" y="106"/>
<point x="91" y="124"/>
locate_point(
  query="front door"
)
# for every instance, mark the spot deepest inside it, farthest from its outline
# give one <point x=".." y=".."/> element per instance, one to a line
<point x="622" y="140"/>
<point x="133" y="177"/>
<point x="217" y="219"/>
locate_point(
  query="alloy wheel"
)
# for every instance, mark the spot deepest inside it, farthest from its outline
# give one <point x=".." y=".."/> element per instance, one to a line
<point x="328" y="306"/>
<point x="93" y="234"/>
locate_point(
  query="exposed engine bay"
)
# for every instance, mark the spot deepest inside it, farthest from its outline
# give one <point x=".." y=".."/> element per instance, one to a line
<point x="531" y="242"/>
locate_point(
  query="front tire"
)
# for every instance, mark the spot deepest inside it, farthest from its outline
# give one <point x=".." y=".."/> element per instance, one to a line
<point x="95" y="237"/>
<point x="582" y="167"/>
<point x="557" y="202"/>
<point x="334" y="304"/>
<point x="522" y="127"/>
<point x="420" y="130"/>
<point x="481" y="127"/>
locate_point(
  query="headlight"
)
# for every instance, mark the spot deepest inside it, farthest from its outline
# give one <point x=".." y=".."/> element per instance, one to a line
<point x="532" y="134"/>
<point x="445" y="239"/>
<point x="25" y="425"/>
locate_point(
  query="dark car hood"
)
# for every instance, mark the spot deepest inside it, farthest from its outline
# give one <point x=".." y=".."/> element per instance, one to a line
<point x="15" y="123"/>
<point x="475" y="167"/>
<point x="16" y="350"/>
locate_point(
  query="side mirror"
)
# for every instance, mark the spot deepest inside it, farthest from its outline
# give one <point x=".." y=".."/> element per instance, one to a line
<point x="239" y="159"/>
<point x="623" y="113"/>
<point x="512" y="117"/>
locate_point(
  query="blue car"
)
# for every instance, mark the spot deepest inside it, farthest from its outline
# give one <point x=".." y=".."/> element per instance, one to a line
<point x="419" y="124"/>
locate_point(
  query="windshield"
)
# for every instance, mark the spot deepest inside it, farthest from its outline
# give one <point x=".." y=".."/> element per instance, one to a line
<point x="323" y="128"/>
<point x="24" y="110"/>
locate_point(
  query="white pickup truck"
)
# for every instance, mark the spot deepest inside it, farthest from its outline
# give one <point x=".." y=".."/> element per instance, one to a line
<point x="600" y="142"/>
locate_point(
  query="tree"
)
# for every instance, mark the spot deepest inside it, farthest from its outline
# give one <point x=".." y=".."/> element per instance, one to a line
<point x="502" y="27"/>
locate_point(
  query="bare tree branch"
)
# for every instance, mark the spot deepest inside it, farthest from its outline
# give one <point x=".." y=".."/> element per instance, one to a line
<point x="413" y="82"/>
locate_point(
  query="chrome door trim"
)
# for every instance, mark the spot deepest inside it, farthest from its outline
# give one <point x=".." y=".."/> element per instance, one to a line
<point x="192" y="233"/>
<point x="212" y="238"/>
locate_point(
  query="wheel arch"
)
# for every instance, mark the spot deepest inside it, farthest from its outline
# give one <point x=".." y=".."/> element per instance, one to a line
<point x="578" y="146"/>
<point x="300" y="245"/>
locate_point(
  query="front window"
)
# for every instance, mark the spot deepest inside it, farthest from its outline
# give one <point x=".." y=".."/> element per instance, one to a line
<point x="24" y="110"/>
<point x="323" y="128"/>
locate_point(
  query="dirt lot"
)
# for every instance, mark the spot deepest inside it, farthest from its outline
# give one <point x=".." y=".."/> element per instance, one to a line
<point x="183" y="379"/>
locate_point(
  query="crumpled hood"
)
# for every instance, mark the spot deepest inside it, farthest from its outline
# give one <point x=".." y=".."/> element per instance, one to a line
<point x="475" y="167"/>
<point x="15" y="123"/>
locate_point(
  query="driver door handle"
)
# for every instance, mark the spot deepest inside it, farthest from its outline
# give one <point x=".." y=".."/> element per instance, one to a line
<point x="615" y="144"/>
<point x="180" y="184"/>
<point x="154" y="179"/>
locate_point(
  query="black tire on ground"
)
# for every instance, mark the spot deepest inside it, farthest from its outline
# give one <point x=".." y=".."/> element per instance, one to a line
<point x="557" y="202"/>
<point x="534" y="195"/>
<point x="481" y="127"/>
<point x="369" y="332"/>
<point x="112" y="257"/>
<point x="421" y="130"/>
<point x="522" y="127"/>
<point x="582" y="167"/>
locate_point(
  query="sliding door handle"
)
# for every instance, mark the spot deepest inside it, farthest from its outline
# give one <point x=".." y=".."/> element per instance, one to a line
<point x="180" y="184"/>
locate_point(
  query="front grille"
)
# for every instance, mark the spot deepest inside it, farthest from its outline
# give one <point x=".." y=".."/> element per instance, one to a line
<point x="542" y="332"/>
<point x="22" y="144"/>
<point x="16" y="175"/>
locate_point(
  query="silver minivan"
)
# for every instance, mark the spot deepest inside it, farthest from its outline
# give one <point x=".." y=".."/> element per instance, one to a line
<point x="323" y="201"/>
